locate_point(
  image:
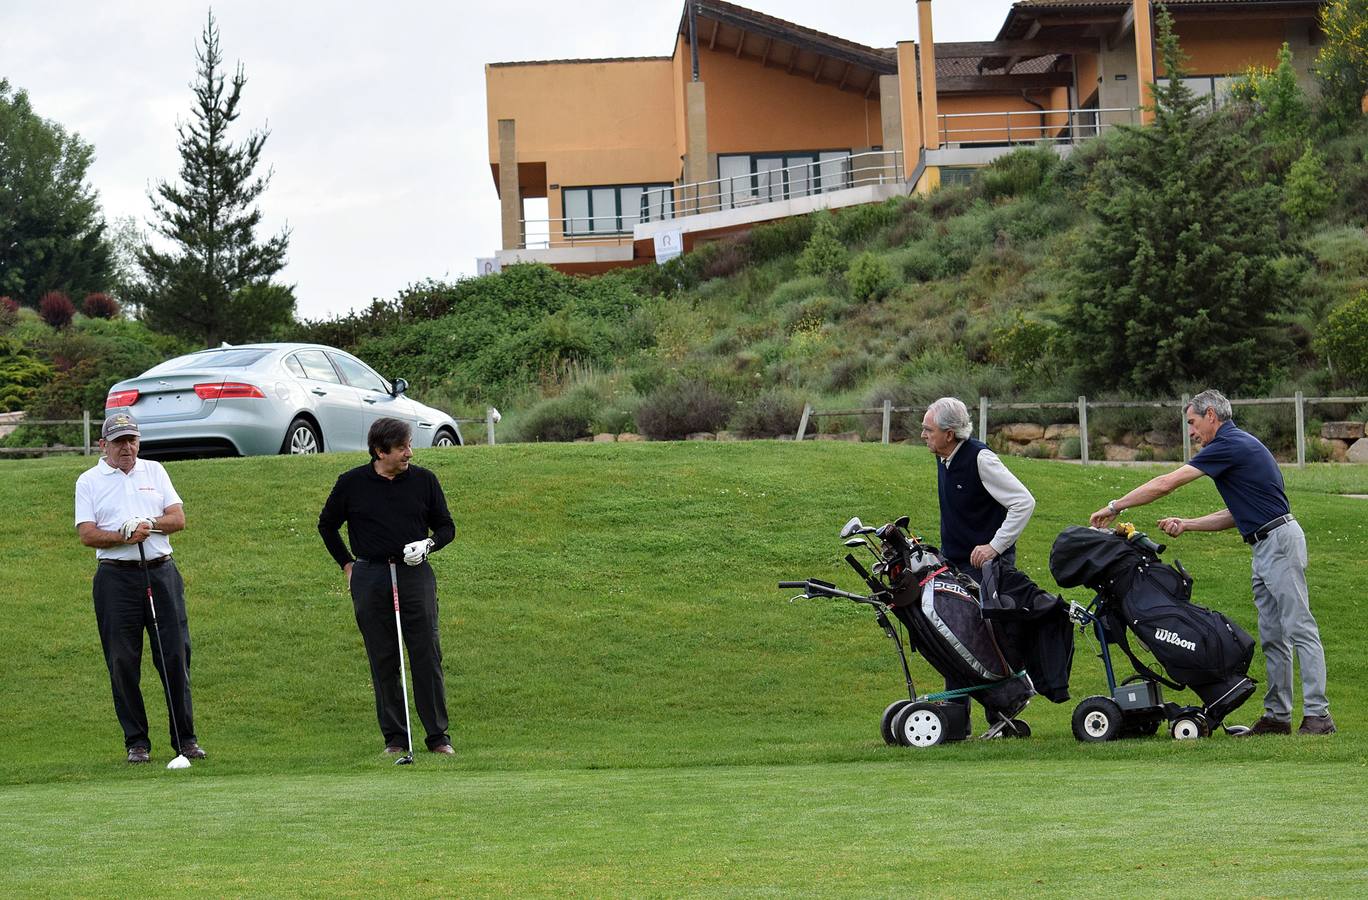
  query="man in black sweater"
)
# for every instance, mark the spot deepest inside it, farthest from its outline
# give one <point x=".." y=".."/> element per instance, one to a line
<point x="388" y="505"/>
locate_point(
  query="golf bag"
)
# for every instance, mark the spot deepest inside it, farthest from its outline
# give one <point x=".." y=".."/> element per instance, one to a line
<point x="949" y="626"/>
<point x="1199" y="648"/>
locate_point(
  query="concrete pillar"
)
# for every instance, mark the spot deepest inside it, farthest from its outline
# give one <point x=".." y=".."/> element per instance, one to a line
<point x="930" y="107"/>
<point x="510" y="194"/>
<point x="1144" y="55"/>
<point x="696" y="140"/>
<point x="890" y="114"/>
<point x="909" y="107"/>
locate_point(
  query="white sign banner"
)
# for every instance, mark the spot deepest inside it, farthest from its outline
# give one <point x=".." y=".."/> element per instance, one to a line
<point x="487" y="265"/>
<point x="668" y="245"/>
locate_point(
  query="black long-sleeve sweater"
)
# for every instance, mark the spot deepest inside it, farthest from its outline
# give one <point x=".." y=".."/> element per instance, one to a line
<point x="383" y="514"/>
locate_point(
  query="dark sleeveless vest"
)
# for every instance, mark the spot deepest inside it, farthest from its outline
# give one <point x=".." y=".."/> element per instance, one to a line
<point x="969" y="515"/>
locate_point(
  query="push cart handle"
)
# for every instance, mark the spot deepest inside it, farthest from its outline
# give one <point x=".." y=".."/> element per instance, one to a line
<point x="784" y="585"/>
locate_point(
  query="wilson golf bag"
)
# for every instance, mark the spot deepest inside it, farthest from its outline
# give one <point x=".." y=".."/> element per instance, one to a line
<point x="1198" y="648"/>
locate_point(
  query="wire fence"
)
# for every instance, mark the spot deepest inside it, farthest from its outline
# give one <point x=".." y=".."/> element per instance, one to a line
<point x="1083" y="405"/>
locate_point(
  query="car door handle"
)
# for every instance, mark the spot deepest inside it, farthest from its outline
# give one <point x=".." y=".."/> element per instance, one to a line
<point x="369" y="399"/>
<point x="318" y="392"/>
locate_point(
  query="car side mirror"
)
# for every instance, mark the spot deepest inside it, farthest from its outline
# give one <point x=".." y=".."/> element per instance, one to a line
<point x="400" y="385"/>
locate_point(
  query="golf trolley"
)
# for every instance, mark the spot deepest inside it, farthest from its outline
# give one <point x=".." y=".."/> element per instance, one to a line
<point x="1135" y="706"/>
<point x="904" y="569"/>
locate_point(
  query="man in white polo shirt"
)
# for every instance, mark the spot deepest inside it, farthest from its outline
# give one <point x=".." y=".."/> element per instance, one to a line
<point x="120" y="503"/>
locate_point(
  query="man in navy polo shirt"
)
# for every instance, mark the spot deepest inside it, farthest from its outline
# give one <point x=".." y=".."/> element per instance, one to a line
<point x="1251" y="484"/>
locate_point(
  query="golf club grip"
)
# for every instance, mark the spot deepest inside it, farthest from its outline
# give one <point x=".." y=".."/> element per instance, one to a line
<point x="792" y="584"/>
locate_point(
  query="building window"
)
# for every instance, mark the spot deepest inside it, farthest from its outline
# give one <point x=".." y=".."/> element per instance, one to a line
<point x="956" y="177"/>
<point x="614" y="209"/>
<point x="1214" y="90"/>
<point x="748" y="178"/>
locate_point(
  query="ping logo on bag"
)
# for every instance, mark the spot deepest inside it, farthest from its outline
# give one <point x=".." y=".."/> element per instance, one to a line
<point x="1169" y="637"/>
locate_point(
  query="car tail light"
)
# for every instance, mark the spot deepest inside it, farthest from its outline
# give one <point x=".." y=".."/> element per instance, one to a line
<point x="227" y="390"/>
<point x="120" y="398"/>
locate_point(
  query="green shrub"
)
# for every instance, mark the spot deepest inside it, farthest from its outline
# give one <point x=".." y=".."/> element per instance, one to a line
<point x="21" y="374"/>
<point x="562" y="418"/>
<point x="723" y="258"/>
<point x="770" y="414"/>
<point x="1071" y="448"/>
<point x="681" y="408"/>
<point x="783" y="238"/>
<point x="919" y="262"/>
<point x="1309" y="191"/>
<point x="1343" y="340"/>
<point x="823" y="254"/>
<point x="856" y="224"/>
<point x="1019" y="173"/>
<point x="798" y="289"/>
<point x="1025" y="345"/>
<point x="870" y="277"/>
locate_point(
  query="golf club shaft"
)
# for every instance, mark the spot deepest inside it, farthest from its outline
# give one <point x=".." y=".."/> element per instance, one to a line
<point x="399" y="636"/>
<point x="161" y="651"/>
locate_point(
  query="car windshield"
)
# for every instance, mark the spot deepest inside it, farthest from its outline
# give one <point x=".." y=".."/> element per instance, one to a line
<point x="217" y="359"/>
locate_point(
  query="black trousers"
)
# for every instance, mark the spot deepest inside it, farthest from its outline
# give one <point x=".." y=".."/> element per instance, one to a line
<point x="122" y="614"/>
<point x="373" y="603"/>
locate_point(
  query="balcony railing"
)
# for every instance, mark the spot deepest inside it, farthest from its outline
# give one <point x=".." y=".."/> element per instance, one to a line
<point x="716" y="195"/>
<point x="1034" y="126"/>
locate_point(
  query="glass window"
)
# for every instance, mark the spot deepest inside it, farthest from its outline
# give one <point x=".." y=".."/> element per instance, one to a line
<point x="316" y="366"/>
<point x="660" y="203"/>
<point x="630" y="197"/>
<point x="358" y="374"/>
<point x="218" y="359"/>
<point x="835" y="170"/>
<point x="769" y="178"/>
<point x="801" y="174"/>
<point x="603" y="207"/>
<point x="961" y="176"/>
<point x="295" y="367"/>
<point x="735" y="172"/>
<point x="576" y="210"/>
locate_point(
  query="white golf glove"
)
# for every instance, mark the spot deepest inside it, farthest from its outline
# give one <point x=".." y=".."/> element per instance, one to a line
<point x="416" y="552"/>
<point x="132" y="525"/>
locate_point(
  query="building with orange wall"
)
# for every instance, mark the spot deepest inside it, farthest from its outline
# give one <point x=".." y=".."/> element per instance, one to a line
<point x="753" y="118"/>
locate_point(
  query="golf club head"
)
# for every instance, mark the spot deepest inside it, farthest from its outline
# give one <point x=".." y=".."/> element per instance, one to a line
<point x="180" y="762"/>
<point x="405" y="760"/>
<point x="1236" y="730"/>
<point x="852" y="527"/>
<point x="855" y="542"/>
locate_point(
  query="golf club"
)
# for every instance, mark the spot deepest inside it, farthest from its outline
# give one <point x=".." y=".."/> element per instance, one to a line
<point x="180" y="762"/>
<point x="407" y="759"/>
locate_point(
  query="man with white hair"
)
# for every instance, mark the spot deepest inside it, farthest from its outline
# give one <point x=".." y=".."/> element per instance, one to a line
<point x="983" y="507"/>
<point x="1251" y="484"/>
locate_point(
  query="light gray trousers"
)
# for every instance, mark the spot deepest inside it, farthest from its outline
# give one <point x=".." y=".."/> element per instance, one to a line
<point x="1286" y="623"/>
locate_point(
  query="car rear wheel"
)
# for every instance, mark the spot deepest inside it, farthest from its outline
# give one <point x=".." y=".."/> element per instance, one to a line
<point x="445" y="438"/>
<point x="302" y="437"/>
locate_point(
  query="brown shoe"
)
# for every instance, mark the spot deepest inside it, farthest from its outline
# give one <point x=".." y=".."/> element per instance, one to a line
<point x="139" y="755"/>
<point x="1317" y="725"/>
<point x="444" y="748"/>
<point x="192" y="751"/>
<point x="394" y="749"/>
<point x="1268" y="725"/>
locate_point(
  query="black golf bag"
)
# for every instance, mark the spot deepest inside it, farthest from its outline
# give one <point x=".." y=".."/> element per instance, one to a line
<point x="1199" y="648"/>
<point x="1004" y="649"/>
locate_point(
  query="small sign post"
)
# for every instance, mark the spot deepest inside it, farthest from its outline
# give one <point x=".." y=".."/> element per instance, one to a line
<point x="668" y="245"/>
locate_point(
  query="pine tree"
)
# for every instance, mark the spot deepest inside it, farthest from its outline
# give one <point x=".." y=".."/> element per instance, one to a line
<point x="1176" y="284"/>
<point x="198" y="289"/>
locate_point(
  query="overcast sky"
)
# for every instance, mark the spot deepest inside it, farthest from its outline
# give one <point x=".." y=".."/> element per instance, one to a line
<point x="376" y="110"/>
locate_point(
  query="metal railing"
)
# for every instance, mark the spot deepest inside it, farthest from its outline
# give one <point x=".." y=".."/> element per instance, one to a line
<point x="1034" y="126"/>
<point x="1298" y="401"/>
<point x="715" y="195"/>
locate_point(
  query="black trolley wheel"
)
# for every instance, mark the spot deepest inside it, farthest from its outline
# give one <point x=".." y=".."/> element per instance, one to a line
<point x="1097" y="719"/>
<point x="920" y="725"/>
<point x="886" y="722"/>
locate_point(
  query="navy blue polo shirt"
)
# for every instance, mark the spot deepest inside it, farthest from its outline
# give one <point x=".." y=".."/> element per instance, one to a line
<point x="1246" y="475"/>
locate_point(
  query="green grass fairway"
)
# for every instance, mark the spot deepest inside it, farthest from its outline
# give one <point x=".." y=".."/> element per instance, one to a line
<point x="636" y="709"/>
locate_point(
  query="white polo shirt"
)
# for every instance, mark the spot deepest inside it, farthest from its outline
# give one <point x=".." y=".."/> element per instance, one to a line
<point x="108" y="497"/>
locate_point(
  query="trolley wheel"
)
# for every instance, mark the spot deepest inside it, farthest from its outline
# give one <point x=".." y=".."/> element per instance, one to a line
<point x="1097" y="719"/>
<point x="1190" y="728"/>
<point x="920" y="725"/>
<point x="886" y="723"/>
<point x="1017" y="728"/>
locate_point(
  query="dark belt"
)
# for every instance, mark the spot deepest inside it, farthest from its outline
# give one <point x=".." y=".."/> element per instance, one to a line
<point x="136" y="564"/>
<point x="378" y="562"/>
<point x="1265" y="530"/>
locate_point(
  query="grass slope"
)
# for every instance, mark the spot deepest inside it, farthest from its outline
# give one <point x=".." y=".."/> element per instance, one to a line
<point x="636" y="708"/>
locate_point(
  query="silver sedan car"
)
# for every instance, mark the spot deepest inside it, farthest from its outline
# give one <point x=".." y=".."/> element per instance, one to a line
<point x="257" y="399"/>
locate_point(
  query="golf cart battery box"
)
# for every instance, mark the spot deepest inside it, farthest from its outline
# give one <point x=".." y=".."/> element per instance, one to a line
<point x="1141" y="695"/>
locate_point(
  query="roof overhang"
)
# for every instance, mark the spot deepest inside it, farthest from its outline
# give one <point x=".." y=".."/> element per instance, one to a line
<point x="799" y="51"/>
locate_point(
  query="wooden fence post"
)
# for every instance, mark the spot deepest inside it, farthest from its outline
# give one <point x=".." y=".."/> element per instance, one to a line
<point x="983" y="419"/>
<point x="1300" y="401"/>
<point x="802" y="426"/>
<point x="489" y="425"/>
<point x="887" y="419"/>
<point x="1183" y="427"/>
<point x="85" y="427"/>
<point x="1083" y="429"/>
